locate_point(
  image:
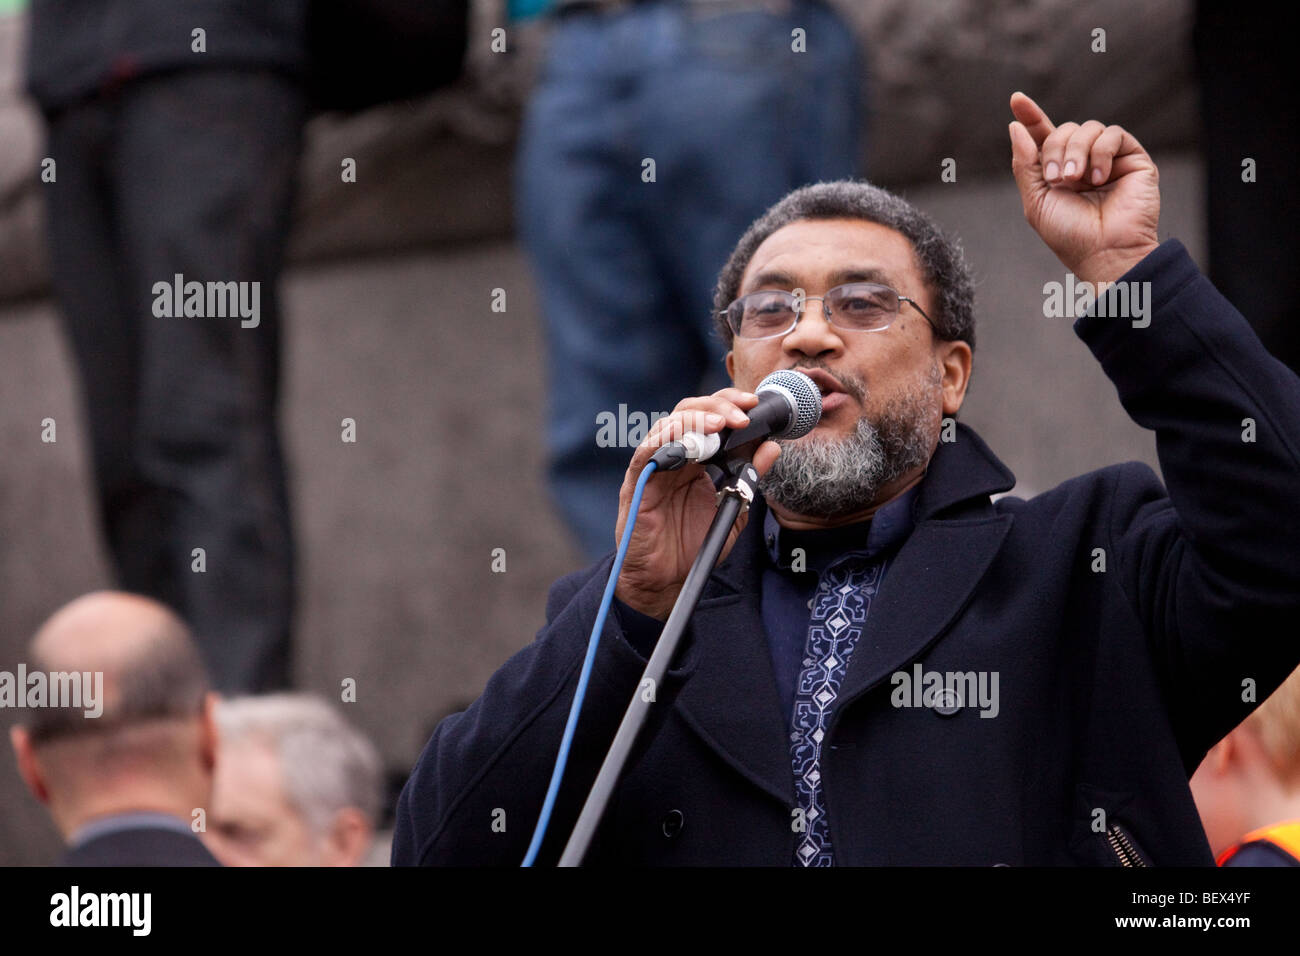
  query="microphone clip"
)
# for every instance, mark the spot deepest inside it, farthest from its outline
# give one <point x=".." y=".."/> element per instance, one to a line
<point x="738" y="479"/>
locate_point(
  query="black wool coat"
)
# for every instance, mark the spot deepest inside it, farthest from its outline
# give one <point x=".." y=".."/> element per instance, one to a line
<point x="1130" y="627"/>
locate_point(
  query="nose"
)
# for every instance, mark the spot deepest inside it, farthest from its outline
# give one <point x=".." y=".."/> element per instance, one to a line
<point x="813" y="334"/>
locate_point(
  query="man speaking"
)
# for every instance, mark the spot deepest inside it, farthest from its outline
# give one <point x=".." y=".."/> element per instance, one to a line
<point x="886" y="667"/>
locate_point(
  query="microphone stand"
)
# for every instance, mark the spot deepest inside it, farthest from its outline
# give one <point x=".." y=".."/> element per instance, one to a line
<point x="737" y="484"/>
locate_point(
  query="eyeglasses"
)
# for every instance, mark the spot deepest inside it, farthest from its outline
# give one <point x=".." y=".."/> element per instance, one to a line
<point x="855" y="307"/>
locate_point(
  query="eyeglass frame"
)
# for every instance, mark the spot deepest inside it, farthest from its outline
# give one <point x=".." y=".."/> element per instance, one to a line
<point x="826" y="311"/>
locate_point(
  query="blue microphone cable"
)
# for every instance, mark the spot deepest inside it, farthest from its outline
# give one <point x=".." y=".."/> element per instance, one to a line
<point x="575" y="709"/>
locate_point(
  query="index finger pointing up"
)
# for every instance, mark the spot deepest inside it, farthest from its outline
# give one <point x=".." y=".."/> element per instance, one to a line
<point x="1032" y="116"/>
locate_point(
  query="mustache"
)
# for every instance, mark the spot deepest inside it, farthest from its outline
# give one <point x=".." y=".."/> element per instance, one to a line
<point x="855" y="386"/>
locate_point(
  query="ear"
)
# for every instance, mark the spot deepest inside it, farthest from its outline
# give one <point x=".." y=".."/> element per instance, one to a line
<point x="29" y="768"/>
<point x="208" y="731"/>
<point x="349" y="838"/>
<point x="731" y="364"/>
<point x="1219" y="757"/>
<point x="954" y="360"/>
<point x="1249" y="748"/>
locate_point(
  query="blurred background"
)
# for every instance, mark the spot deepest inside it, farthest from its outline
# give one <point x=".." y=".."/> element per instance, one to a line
<point x="388" y="320"/>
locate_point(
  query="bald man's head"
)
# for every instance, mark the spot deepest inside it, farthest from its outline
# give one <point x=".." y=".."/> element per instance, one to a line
<point x="151" y="667"/>
<point x="150" y="741"/>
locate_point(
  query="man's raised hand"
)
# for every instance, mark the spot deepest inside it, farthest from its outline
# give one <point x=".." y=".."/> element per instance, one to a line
<point x="1091" y="191"/>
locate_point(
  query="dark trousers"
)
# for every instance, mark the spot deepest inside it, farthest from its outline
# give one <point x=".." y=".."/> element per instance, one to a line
<point x="188" y="173"/>
<point x="1243" y="59"/>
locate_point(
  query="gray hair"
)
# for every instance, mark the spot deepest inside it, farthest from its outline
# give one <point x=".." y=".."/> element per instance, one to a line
<point x="833" y="477"/>
<point x="327" y="764"/>
<point x="943" y="267"/>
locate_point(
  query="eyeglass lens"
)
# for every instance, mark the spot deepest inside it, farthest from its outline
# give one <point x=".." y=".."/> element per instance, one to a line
<point x="859" y="306"/>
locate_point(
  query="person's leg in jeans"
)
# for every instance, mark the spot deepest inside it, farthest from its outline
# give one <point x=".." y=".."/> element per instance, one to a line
<point x="611" y="334"/>
<point x="739" y="121"/>
<point x="732" y="119"/>
<point x="203" y="173"/>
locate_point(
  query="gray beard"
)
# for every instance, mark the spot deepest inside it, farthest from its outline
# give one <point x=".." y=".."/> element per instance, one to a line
<point x="827" y="477"/>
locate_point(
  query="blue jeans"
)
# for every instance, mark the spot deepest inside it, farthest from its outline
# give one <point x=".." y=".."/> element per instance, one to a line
<point x="733" y="119"/>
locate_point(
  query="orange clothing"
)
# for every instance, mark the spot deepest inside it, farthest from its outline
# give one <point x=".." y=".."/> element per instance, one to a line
<point x="1284" y="836"/>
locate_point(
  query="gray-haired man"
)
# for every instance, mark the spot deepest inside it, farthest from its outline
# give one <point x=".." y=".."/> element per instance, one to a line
<point x="296" y="785"/>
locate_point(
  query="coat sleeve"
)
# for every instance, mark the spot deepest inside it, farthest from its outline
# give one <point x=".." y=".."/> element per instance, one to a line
<point x="1212" y="568"/>
<point x="474" y="796"/>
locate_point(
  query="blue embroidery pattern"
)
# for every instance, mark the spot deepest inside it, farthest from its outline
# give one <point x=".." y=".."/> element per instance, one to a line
<point x="839" y="615"/>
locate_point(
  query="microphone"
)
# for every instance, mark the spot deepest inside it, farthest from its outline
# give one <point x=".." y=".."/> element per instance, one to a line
<point x="789" y="406"/>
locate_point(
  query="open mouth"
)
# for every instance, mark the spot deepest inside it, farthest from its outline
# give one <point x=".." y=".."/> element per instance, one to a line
<point x="826" y="384"/>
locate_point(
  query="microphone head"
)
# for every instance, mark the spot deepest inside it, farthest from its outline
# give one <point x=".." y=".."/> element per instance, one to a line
<point x="804" y="397"/>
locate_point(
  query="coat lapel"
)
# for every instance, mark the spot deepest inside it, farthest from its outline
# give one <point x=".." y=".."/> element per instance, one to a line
<point x="934" y="574"/>
<point x="926" y="586"/>
<point x="731" y="699"/>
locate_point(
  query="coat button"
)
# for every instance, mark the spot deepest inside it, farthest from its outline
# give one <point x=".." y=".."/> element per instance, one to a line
<point x="947" y="702"/>
<point x="673" y="823"/>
